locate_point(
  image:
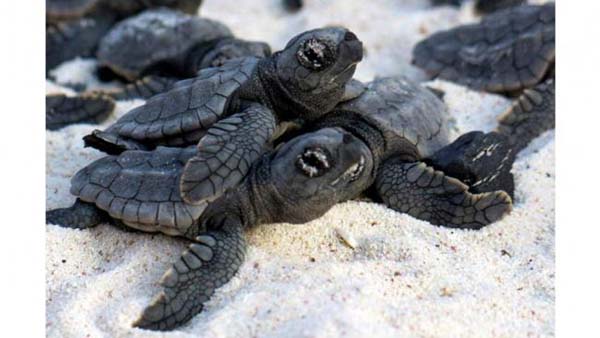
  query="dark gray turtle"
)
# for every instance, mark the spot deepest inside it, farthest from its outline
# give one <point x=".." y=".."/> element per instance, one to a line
<point x="233" y="112"/>
<point x="365" y="145"/>
<point x="296" y="183"/>
<point x="509" y="51"/>
<point x="74" y="27"/>
<point x="171" y="43"/>
<point x="158" y="47"/>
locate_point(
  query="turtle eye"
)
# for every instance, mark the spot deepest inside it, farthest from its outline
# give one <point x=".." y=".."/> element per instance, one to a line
<point x="314" y="54"/>
<point x="313" y="162"/>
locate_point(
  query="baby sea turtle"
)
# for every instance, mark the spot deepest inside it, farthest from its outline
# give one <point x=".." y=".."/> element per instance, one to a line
<point x="168" y="42"/>
<point x="374" y="144"/>
<point x="296" y="183"/>
<point x="510" y="51"/>
<point x="233" y="112"/>
<point x="158" y="47"/>
<point x="74" y="27"/>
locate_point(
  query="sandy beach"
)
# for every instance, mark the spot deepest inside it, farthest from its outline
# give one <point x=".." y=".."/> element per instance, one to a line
<point x="404" y="278"/>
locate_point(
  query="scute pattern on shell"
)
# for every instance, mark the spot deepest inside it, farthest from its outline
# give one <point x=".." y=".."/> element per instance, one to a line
<point x="155" y="36"/>
<point x="404" y="109"/>
<point x="509" y="50"/>
<point x="141" y="189"/>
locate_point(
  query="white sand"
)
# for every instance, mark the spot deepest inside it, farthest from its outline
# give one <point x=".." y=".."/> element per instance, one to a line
<point x="404" y="278"/>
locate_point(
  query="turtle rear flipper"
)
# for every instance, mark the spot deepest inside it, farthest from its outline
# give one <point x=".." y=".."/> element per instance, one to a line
<point x="80" y="215"/>
<point x="429" y="195"/>
<point x="226" y="153"/>
<point x="532" y="114"/>
<point x="480" y="160"/>
<point x="110" y="143"/>
<point x="63" y="110"/>
<point x="69" y="39"/>
<point x="205" y="266"/>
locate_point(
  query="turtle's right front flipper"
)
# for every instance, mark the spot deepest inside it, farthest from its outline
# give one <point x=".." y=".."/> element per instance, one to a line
<point x="80" y="215"/>
<point x="226" y="153"/>
<point x="205" y="266"/>
<point x="532" y="114"/>
<point x="429" y="195"/>
<point x="62" y="110"/>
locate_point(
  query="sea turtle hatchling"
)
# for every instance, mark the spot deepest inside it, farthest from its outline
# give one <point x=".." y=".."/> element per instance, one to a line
<point x="74" y="27"/>
<point x="155" y="49"/>
<point x="510" y="51"/>
<point x="168" y="42"/>
<point x="296" y="183"/>
<point x="233" y="112"/>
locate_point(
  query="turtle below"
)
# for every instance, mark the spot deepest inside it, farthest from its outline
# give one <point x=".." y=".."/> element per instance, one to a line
<point x="372" y="144"/>
<point x="360" y="145"/>
<point x="234" y="112"/>
<point x="511" y="51"/>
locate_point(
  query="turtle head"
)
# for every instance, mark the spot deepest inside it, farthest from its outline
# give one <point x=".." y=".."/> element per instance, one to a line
<point x="229" y="49"/>
<point x="319" y="60"/>
<point x="314" y="171"/>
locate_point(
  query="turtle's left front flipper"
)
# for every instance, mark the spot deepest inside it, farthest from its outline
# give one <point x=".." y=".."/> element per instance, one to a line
<point x="532" y="114"/>
<point x="206" y="265"/>
<point x="62" y="110"/>
<point x="226" y="153"/>
<point x="429" y="195"/>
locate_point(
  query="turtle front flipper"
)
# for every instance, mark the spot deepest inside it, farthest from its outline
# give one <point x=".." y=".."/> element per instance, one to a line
<point x="532" y="114"/>
<point x="206" y="265"/>
<point x="62" y="110"/>
<point x="480" y="160"/>
<point x="180" y="116"/>
<point x="429" y="195"/>
<point x="80" y="215"/>
<point x="226" y="153"/>
<point x="143" y="88"/>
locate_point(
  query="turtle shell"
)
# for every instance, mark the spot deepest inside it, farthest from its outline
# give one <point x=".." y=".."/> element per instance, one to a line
<point x="141" y="189"/>
<point x="155" y="37"/>
<point x="403" y="111"/>
<point x="175" y="117"/>
<point x="508" y="50"/>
